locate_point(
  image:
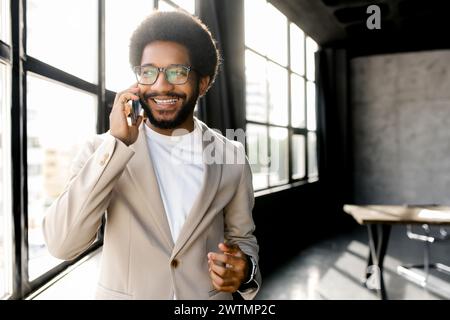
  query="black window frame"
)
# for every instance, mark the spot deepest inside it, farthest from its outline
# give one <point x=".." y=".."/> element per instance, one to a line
<point x="21" y="65"/>
<point x="15" y="54"/>
<point x="305" y="132"/>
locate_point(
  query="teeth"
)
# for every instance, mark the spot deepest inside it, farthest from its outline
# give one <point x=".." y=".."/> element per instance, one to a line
<point x="165" y="101"/>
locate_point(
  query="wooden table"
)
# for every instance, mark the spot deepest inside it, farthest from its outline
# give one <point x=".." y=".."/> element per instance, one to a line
<point x="380" y="218"/>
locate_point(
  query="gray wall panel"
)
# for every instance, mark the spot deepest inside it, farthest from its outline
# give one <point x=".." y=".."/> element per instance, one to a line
<point x="401" y="121"/>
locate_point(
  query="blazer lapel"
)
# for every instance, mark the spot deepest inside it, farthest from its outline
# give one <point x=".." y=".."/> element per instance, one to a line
<point x="143" y="174"/>
<point x="211" y="181"/>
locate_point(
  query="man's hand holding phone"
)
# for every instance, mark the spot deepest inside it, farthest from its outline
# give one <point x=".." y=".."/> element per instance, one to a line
<point x="118" y="122"/>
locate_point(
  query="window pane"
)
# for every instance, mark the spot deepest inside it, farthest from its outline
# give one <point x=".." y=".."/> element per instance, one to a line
<point x="256" y="87"/>
<point x="278" y="94"/>
<point x="311" y="105"/>
<point x="277" y="37"/>
<point x="298" y="156"/>
<point x="5" y="189"/>
<point x="297" y="101"/>
<point x="312" y="154"/>
<point x="311" y="48"/>
<point x="278" y="155"/>
<point x="297" y="49"/>
<point x="64" y="34"/>
<point x="164" y="6"/>
<point x="256" y="137"/>
<point x="255" y="25"/>
<point x="119" y="75"/>
<point x="4" y="21"/>
<point x="54" y="138"/>
<point x="188" y="5"/>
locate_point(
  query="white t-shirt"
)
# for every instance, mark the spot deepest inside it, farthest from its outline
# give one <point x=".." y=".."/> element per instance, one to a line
<point x="179" y="169"/>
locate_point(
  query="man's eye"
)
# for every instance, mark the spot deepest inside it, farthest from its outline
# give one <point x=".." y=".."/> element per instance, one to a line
<point x="180" y="72"/>
<point x="149" y="73"/>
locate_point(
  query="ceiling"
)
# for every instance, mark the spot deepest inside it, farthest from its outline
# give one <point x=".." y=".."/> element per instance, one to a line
<point x="405" y="24"/>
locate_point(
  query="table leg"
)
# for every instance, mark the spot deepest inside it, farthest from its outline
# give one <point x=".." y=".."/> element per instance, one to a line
<point x="378" y="242"/>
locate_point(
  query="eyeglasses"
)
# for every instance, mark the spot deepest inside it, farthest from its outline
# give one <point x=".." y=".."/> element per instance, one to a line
<point x="174" y="73"/>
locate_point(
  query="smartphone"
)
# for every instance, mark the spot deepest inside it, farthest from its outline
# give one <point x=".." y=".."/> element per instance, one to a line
<point x="135" y="111"/>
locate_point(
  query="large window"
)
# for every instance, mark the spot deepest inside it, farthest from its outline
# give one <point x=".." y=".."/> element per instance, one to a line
<point x="4" y="21"/>
<point x="66" y="41"/>
<point x="58" y="97"/>
<point x="54" y="138"/>
<point x="169" y="5"/>
<point x="61" y="107"/>
<point x="280" y="97"/>
<point x="6" y="225"/>
<point x="5" y="190"/>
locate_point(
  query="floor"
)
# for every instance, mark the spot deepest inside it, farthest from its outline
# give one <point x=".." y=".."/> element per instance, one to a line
<point x="334" y="268"/>
<point x="330" y="270"/>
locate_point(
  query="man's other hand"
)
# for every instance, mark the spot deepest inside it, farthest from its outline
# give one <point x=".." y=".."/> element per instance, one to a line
<point x="229" y="269"/>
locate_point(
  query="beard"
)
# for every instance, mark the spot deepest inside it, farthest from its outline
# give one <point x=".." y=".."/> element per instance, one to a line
<point x="182" y="114"/>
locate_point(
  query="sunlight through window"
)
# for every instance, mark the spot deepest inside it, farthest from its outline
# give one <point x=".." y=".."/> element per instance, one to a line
<point x="56" y="36"/>
<point x="5" y="187"/>
<point x="280" y="96"/>
<point x="54" y="138"/>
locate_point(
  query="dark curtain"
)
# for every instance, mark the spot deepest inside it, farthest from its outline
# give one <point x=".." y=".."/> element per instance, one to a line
<point x="334" y="129"/>
<point x="223" y="107"/>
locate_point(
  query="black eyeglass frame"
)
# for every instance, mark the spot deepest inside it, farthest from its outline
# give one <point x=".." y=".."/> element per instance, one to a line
<point x="137" y="71"/>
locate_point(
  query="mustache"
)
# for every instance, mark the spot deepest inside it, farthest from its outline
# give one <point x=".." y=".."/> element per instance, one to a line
<point x="168" y="94"/>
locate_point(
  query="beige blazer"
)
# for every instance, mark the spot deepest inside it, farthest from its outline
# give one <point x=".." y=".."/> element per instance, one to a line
<point x="139" y="258"/>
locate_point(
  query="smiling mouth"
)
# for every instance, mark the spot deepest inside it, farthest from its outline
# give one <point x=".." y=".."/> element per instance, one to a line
<point x="165" y="102"/>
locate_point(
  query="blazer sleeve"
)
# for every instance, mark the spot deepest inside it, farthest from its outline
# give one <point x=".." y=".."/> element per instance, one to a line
<point x="239" y="225"/>
<point x="71" y="222"/>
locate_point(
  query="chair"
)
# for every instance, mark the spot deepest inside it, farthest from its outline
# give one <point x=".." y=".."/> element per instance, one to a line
<point x="427" y="238"/>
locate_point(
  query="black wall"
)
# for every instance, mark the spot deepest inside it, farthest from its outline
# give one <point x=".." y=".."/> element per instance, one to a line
<point x="289" y="221"/>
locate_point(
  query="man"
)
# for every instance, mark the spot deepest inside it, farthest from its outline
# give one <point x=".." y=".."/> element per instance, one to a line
<point x="176" y="227"/>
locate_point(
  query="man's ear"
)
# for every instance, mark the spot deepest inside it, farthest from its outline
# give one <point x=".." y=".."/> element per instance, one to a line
<point x="203" y="86"/>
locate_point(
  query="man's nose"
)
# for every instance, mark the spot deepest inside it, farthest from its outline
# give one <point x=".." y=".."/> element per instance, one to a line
<point x="161" y="84"/>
